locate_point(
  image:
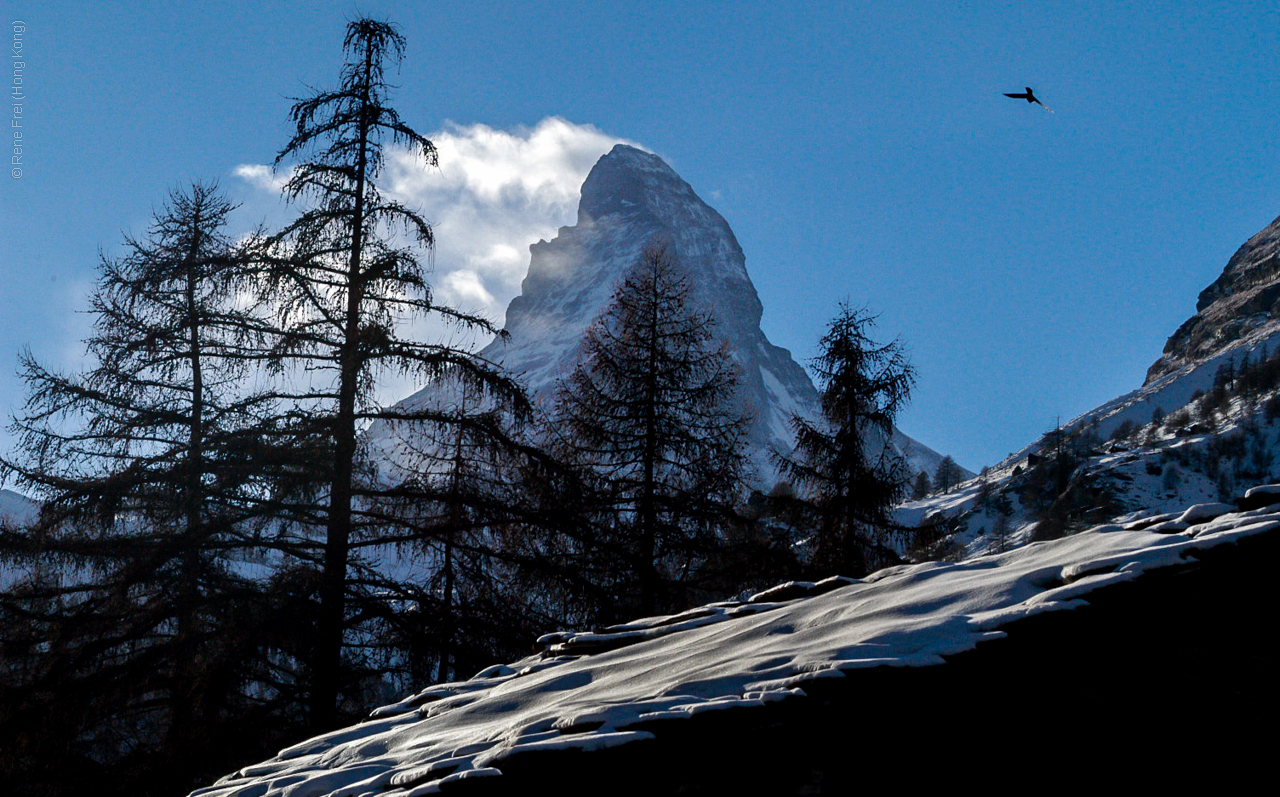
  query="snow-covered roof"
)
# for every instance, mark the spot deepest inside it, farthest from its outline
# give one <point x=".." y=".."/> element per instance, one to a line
<point x="591" y="691"/>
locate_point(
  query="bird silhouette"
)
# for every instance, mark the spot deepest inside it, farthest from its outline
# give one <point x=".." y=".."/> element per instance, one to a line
<point x="1029" y="96"/>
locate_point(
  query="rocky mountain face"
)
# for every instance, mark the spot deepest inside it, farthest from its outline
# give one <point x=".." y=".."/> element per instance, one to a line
<point x="1240" y="306"/>
<point x="630" y="198"/>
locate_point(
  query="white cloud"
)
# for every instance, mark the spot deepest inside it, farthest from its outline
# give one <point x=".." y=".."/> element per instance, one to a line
<point x="493" y="193"/>
<point x="260" y="176"/>
<point x="466" y="287"/>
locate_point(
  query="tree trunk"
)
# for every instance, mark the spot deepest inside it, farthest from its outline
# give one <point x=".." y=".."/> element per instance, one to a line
<point x="337" y="548"/>
<point x="648" y="506"/>
<point x="853" y="553"/>
<point x="184" y="709"/>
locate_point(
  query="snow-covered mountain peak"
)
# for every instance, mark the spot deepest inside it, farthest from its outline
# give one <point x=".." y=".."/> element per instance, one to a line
<point x="630" y="180"/>
<point x="630" y="198"/>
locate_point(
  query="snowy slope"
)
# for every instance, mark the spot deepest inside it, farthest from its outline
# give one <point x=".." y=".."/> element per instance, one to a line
<point x="1167" y="393"/>
<point x="596" y="690"/>
<point x="1158" y="466"/>
<point x="630" y="198"/>
<point x="1156" y="469"/>
<point x="16" y="509"/>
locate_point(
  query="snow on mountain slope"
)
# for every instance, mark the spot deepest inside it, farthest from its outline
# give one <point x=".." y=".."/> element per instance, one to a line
<point x="1122" y="459"/>
<point x="629" y="198"/>
<point x="17" y="509"/>
<point x="592" y="691"/>
<point x="1166" y="393"/>
<point x="1234" y="321"/>
<point x="1165" y="444"/>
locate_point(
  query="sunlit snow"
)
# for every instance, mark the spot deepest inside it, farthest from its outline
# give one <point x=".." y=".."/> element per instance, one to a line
<point x="590" y="690"/>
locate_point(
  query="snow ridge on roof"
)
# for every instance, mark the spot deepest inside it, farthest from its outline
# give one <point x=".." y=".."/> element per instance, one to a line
<point x="596" y="690"/>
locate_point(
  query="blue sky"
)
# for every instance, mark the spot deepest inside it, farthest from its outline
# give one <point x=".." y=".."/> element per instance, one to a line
<point x="1033" y="263"/>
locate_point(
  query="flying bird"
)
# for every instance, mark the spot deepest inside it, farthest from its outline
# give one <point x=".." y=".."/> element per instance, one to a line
<point x="1029" y="96"/>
